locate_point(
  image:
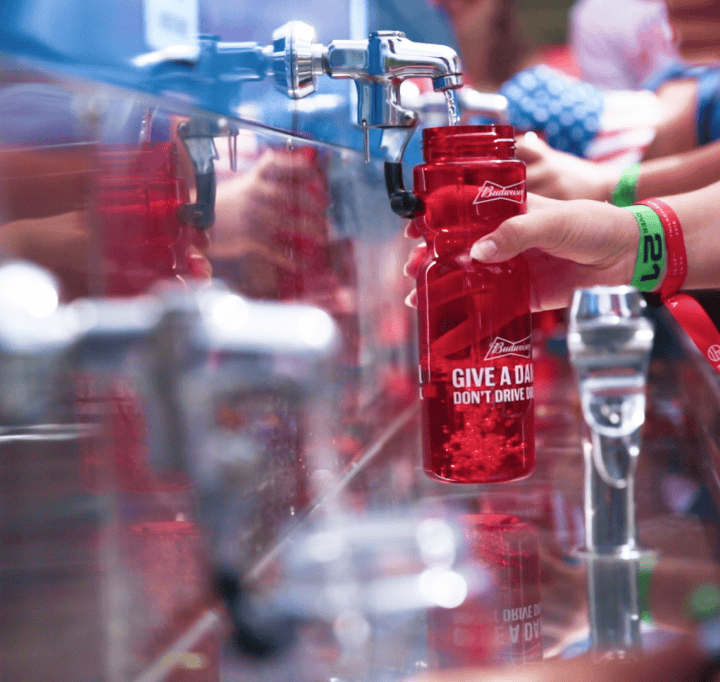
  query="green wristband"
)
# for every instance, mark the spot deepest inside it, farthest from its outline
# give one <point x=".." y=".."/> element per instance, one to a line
<point x="625" y="192"/>
<point x="652" y="250"/>
<point x="645" y="571"/>
<point x="703" y="603"/>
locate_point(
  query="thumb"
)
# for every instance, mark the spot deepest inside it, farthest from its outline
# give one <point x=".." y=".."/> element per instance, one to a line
<point x="586" y="232"/>
<point x="539" y="229"/>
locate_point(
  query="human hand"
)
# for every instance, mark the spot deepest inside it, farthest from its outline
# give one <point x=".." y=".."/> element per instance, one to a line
<point x="557" y="175"/>
<point x="284" y="195"/>
<point x="567" y="245"/>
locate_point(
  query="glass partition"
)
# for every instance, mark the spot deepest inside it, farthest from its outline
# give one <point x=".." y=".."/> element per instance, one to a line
<point x="128" y="486"/>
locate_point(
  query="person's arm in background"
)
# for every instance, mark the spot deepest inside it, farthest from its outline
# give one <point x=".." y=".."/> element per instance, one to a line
<point x="680" y="173"/>
<point x="595" y="43"/>
<point x="45" y="181"/>
<point x="43" y="209"/>
<point x="558" y="175"/>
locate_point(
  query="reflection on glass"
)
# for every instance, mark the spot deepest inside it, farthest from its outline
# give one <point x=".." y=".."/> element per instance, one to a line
<point x="502" y="624"/>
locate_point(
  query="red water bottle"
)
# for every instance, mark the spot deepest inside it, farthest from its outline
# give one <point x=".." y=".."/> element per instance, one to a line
<point x="476" y="370"/>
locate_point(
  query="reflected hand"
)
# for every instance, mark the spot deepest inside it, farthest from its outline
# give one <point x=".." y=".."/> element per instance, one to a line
<point x="558" y="175"/>
<point x="284" y="194"/>
<point x="564" y="596"/>
<point x="59" y="243"/>
<point x="414" y="261"/>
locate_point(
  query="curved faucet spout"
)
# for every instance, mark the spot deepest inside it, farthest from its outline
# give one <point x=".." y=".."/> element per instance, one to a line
<point x="400" y="59"/>
<point x="378" y="66"/>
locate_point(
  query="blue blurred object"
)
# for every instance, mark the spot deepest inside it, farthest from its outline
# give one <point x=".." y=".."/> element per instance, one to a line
<point x="104" y="41"/>
<point x="325" y="116"/>
<point x="115" y="43"/>
<point x="112" y="42"/>
<point x="46" y="114"/>
<point x="418" y="20"/>
<point x="39" y="113"/>
<point x="565" y="110"/>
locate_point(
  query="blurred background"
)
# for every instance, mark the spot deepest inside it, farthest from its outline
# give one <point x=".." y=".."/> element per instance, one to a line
<point x="210" y="433"/>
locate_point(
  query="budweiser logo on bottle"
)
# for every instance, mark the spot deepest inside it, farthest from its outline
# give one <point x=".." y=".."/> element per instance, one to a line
<point x="500" y="347"/>
<point x="491" y="191"/>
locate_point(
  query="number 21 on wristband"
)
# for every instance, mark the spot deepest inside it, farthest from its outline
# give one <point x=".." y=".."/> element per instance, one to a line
<point x="652" y="245"/>
<point x="651" y="255"/>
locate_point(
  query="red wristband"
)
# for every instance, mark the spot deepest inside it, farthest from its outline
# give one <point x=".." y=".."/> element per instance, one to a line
<point x="675" y="245"/>
<point x="689" y="314"/>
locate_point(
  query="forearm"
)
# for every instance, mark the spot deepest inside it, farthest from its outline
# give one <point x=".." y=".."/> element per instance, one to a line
<point x="700" y="220"/>
<point x="679" y="173"/>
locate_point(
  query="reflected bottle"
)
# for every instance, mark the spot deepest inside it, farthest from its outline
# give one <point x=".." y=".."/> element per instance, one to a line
<point x="476" y="371"/>
<point x="140" y="192"/>
<point x="502" y="625"/>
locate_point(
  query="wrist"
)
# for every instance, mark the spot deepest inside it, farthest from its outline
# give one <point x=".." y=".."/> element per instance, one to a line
<point x="675" y="271"/>
<point x="652" y="249"/>
<point x="646" y="565"/>
<point x="630" y="245"/>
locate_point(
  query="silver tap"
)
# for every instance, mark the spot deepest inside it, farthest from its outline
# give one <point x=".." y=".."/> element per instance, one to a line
<point x="42" y="341"/>
<point x="40" y="337"/>
<point x="189" y="348"/>
<point x="378" y="66"/>
<point x="198" y="135"/>
<point x="34" y="340"/>
<point x="610" y="342"/>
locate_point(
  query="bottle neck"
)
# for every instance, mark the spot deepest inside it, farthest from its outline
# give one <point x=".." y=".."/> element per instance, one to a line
<point x="466" y="143"/>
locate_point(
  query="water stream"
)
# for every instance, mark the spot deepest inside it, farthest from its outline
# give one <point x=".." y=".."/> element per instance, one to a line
<point x="452" y="107"/>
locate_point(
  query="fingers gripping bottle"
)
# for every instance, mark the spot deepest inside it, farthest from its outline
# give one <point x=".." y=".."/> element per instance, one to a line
<point x="476" y="369"/>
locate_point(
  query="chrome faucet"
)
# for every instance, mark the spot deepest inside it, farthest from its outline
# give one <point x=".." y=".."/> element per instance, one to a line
<point x="296" y="60"/>
<point x="256" y="347"/>
<point x="378" y="66"/>
<point x="179" y="326"/>
<point x="610" y="342"/>
<point x="198" y="135"/>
